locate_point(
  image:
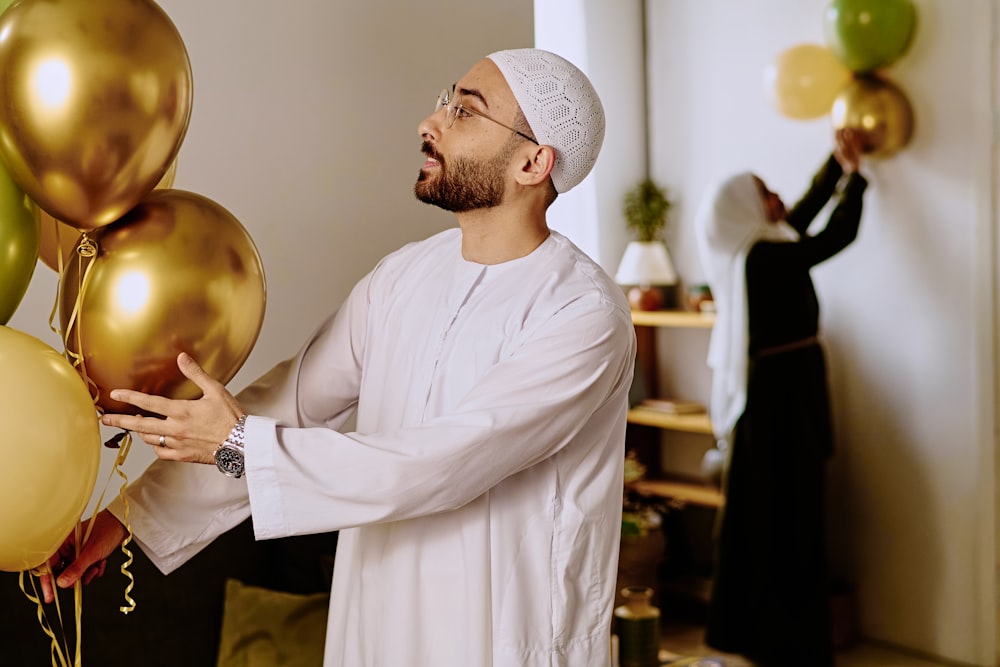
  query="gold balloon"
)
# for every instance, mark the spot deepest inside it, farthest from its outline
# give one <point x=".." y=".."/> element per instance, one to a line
<point x="50" y="443"/>
<point x="54" y="234"/>
<point x="178" y="273"/>
<point x="878" y="108"/>
<point x="804" y="80"/>
<point x="96" y="102"/>
<point x="166" y="182"/>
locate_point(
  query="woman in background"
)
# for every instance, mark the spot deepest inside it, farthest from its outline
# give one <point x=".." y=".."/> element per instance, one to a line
<point x="770" y="408"/>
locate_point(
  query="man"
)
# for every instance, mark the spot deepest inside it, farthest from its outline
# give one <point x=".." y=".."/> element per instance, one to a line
<point x="479" y="498"/>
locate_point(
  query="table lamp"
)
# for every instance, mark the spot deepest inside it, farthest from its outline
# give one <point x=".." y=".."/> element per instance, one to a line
<point x="645" y="266"/>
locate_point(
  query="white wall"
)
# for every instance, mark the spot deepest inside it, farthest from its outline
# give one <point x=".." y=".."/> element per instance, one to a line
<point x="907" y="310"/>
<point x="304" y="126"/>
<point x="586" y="31"/>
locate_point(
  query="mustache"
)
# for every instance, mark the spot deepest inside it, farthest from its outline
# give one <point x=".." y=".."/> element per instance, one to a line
<point x="430" y="152"/>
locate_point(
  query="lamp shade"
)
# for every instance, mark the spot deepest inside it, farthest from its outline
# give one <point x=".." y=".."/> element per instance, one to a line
<point x="646" y="263"/>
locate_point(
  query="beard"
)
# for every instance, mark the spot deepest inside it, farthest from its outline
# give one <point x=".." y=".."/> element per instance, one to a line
<point x="465" y="184"/>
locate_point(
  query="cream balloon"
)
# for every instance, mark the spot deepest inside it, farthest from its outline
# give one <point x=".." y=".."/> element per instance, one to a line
<point x="96" y="102"/>
<point x="804" y="80"/>
<point x="178" y="273"/>
<point x="50" y="443"/>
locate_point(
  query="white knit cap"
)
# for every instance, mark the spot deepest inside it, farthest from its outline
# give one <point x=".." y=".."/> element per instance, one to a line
<point x="561" y="107"/>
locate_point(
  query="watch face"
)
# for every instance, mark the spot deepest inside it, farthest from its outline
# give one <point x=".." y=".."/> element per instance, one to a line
<point x="229" y="460"/>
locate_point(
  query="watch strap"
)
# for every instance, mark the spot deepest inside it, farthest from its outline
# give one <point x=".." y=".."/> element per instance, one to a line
<point x="237" y="436"/>
<point x="229" y="457"/>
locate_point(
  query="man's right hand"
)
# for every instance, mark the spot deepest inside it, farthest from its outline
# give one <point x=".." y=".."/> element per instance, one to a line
<point x="108" y="533"/>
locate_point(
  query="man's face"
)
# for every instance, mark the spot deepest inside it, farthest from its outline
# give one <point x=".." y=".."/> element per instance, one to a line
<point x="463" y="183"/>
<point x="467" y="164"/>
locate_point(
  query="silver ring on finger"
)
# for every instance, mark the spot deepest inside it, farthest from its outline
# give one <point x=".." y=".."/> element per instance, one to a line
<point x="163" y="441"/>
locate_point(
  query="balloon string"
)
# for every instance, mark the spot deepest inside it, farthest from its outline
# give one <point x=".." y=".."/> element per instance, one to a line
<point x="62" y="624"/>
<point x="45" y="570"/>
<point x="86" y="249"/>
<point x="62" y="627"/>
<point x="124" y="443"/>
<point x="122" y="454"/>
<point x="77" y="598"/>
<point x="60" y="272"/>
<point x="59" y="659"/>
<point x="55" y="650"/>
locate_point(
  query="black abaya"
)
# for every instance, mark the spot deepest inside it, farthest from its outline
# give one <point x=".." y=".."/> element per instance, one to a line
<point x="770" y="598"/>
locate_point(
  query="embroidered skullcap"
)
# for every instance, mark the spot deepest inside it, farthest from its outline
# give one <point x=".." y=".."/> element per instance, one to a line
<point x="561" y="107"/>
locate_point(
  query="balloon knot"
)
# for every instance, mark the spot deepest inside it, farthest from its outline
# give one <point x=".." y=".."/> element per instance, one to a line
<point x="86" y="247"/>
<point x="115" y="441"/>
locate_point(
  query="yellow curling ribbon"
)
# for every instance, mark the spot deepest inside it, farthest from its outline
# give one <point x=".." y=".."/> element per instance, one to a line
<point x="60" y="272"/>
<point x="124" y="444"/>
<point x="77" y="599"/>
<point x="59" y="659"/>
<point x="122" y="453"/>
<point x="60" y="652"/>
<point x="86" y="249"/>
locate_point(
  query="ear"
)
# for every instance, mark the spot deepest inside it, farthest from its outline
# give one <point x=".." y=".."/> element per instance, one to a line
<point x="536" y="164"/>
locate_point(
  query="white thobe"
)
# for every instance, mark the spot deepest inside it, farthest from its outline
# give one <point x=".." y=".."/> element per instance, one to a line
<point x="479" y="498"/>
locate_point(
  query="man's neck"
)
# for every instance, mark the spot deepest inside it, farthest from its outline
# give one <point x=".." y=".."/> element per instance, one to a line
<point x="492" y="237"/>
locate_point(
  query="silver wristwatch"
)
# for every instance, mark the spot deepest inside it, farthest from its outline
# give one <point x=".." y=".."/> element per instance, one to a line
<point x="229" y="455"/>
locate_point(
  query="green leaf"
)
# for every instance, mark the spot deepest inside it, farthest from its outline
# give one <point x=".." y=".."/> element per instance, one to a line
<point x="646" y="207"/>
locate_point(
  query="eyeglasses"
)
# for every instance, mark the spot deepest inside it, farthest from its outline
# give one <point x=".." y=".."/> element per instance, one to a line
<point x="451" y="100"/>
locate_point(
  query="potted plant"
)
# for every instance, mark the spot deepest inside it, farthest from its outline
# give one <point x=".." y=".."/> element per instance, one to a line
<point x="646" y="263"/>
<point x="646" y="207"/>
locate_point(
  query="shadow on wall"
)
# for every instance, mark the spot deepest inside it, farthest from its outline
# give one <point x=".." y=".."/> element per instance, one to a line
<point x="878" y="506"/>
<point x="901" y="391"/>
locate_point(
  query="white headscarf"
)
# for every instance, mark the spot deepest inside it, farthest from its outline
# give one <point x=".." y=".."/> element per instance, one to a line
<point x="731" y="219"/>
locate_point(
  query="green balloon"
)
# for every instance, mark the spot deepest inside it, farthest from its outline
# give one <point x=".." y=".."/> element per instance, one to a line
<point x="868" y="34"/>
<point x="19" y="238"/>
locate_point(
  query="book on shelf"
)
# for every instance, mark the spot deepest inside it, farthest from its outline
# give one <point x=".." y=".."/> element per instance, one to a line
<point x="673" y="406"/>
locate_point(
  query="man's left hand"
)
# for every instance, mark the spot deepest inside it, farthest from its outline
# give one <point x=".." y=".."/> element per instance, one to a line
<point x="191" y="430"/>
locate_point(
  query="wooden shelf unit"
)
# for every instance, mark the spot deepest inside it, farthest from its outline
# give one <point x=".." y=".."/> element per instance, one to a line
<point x="690" y="423"/>
<point x="672" y="318"/>
<point x="684" y="491"/>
